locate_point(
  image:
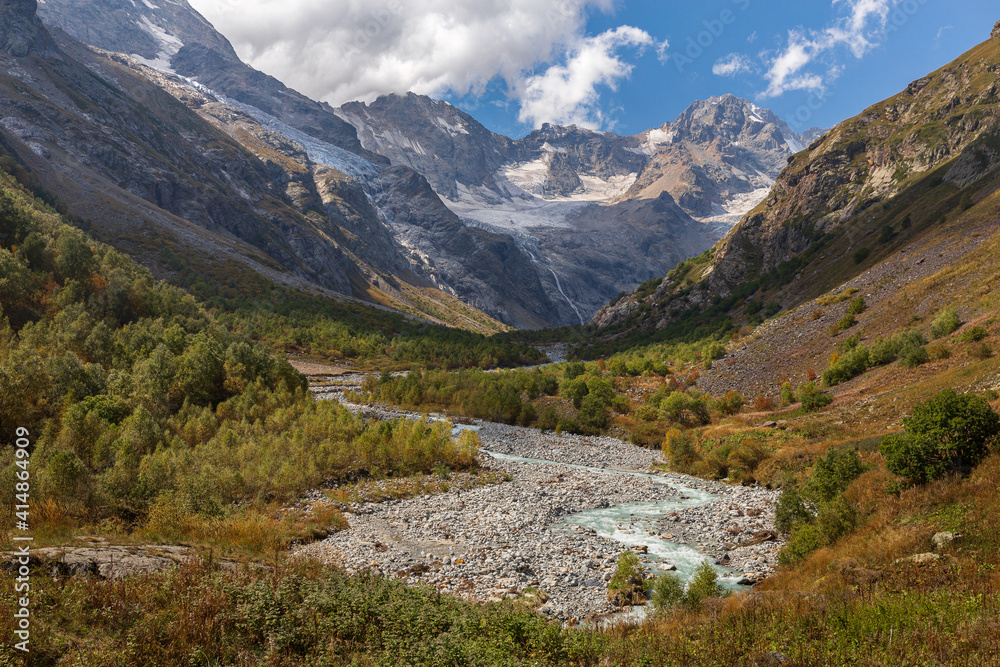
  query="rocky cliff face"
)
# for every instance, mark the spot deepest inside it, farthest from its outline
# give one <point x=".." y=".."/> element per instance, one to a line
<point x="571" y="154"/>
<point x="107" y="139"/>
<point x="463" y="260"/>
<point x="314" y="185"/>
<point x="865" y="161"/>
<point x="449" y="147"/>
<point x="20" y="30"/>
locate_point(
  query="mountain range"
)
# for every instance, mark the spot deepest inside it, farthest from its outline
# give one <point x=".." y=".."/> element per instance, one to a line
<point x="142" y="119"/>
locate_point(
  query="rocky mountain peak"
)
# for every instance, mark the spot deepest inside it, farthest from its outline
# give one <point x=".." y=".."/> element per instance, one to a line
<point x="717" y="158"/>
<point x="152" y="32"/>
<point x="20" y="29"/>
<point x="732" y="119"/>
<point x="445" y="144"/>
<point x="996" y="31"/>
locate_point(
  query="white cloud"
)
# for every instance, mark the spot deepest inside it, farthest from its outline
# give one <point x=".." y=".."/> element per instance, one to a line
<point x="860" y="30"/>
<point x="344" y="50"/>
<point x="568" y="94"/>
<point x="731" y="65"/>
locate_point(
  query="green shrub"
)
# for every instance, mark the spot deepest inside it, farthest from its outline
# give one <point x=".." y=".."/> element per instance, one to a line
<point x="847" y="366"/>
<point x="790" y="510"/>
<point x="684" y="409"/>
<point x="914" y="357"/>
<point x="647" y="412"/>
<point x="973" y="334"/>
<point x="593" y="415"/>
<point x="804" y="540"/>
<point x="835" y="519"/>
<point x="833" y="473"/>
<point x="680" y="450"/>
<point x="845" y="322"/>
<point x="713" y="351"/>
<point x="945" y="323"/>
<point x="787" y="395"/>
<point x="812" y="397"/>
<point x="527" y="415"/>
<point x="704" y="584"/>
<point x="575" y="369"/>
<point x="861" y="254"/>
<point x="628" y="583"/>
<point x="981" y="351"/>
<point x="730" y="404"/>
<point x="574" y="389"/>
<point x="856" y="306"/>
<point x="886" y="350"/>
<point x="548" y="419"/>
<point x="667" y="591"/>
<point x="949" y="432"/>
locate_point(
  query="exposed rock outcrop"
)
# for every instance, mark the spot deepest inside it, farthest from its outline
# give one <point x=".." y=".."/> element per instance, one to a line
<point x="173" y="35"/>
<point x="20" y="30"/>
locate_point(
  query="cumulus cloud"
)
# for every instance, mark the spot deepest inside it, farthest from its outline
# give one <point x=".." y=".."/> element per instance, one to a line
<point x="568" y="93"/>
<point x="859" y="30"/>
<point x="344" y="50"/>
<point x="731" y="65"/>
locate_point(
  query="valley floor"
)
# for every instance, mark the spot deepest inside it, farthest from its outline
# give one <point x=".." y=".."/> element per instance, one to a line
<point x="569" y="508"/>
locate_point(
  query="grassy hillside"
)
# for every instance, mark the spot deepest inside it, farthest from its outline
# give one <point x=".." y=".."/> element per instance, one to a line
<point x="147" y="414"/>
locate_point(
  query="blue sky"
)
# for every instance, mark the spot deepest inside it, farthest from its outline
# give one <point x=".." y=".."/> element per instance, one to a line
<point x="619" y="65"/>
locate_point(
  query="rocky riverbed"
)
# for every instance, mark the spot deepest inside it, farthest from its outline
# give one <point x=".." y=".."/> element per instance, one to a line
<point x="558" y="526"/>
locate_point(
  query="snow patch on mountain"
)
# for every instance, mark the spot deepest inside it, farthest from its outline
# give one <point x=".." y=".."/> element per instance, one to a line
<point x="518" y="215"/>
<point x="657" y="137"/>
<point x="169" y="45"/>
<point x="528" y="179"/>
<point x="453" y="130"/>
<point x="528" y="176"/>
<point x="319" y="151"/>
<point x="793" y="143"/>
<point x="733" y="209"/>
